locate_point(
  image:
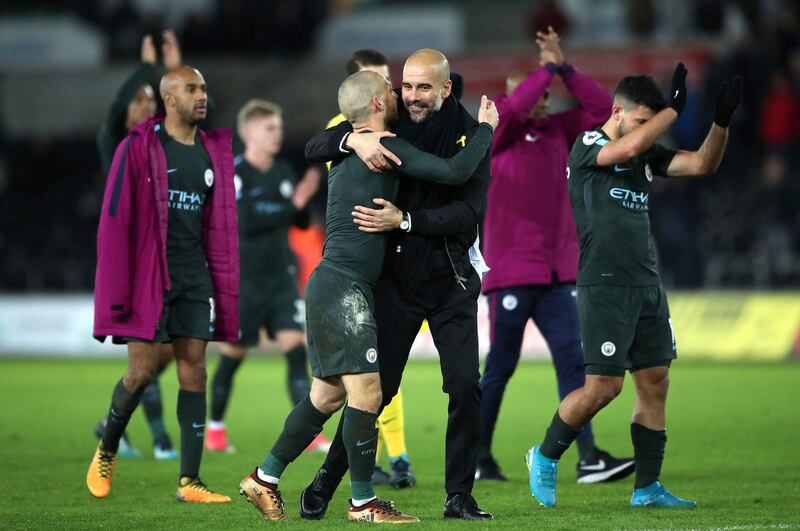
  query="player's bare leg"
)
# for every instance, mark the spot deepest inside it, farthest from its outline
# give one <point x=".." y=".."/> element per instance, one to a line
<point x="142" y="365"/>
<point x="360" y="438"/>
<point x="649" y="436"/>
<point x="577" y="408"/>
<point x="190" y="357"/>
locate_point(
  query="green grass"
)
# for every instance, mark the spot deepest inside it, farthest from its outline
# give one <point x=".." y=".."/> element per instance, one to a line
<point x="734" y="446"/>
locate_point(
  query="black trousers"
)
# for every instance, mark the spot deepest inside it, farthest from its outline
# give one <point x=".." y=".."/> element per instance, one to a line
<point x="451" y="312"/>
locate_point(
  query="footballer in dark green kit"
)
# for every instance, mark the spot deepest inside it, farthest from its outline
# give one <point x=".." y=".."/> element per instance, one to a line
<point x="269" y="199"/>
<point x="622" y="306"/>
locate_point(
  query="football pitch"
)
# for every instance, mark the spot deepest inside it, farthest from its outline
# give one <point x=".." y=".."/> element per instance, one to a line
<point x="734" y="446"/>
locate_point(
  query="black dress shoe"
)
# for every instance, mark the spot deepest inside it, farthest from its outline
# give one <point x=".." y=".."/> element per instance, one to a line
<point x="315" y="498"/>
<point x="464" y="507"/>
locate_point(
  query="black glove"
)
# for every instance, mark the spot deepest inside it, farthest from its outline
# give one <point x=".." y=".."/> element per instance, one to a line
<point x="677" y="94"/>
<point x="728" y="98"/>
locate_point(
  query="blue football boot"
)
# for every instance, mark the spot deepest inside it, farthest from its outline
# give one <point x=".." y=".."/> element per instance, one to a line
<point x="655" y="495"/>
<point x="542" y="474"/>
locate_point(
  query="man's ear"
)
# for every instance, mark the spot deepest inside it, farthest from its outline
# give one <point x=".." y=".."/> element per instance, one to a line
<point x="448" y="88"/>
<point x="378" y="104"/>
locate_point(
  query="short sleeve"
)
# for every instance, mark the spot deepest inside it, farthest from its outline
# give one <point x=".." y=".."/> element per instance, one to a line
<point x="587" y="146"/>
<point x="659" y="159"/>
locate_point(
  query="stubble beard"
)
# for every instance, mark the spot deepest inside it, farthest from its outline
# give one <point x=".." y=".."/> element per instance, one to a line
<point x="428" y="111"/>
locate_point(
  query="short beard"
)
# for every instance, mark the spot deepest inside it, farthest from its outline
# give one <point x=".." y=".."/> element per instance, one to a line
<point x="424" y="117"/>
<point x="187" y="117"/>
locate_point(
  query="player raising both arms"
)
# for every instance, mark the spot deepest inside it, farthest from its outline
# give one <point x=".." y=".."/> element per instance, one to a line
<point x="622" y="306"/>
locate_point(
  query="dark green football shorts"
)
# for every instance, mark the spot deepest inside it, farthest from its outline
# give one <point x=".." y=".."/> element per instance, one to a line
<point x="188" y="310"/>
<point x="625" y="328"/>
<point x="342" y="336"/>
<point x="270" y="302"/>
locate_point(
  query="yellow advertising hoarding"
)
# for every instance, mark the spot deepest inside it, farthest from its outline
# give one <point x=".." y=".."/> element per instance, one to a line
<point x="735" y="325"/>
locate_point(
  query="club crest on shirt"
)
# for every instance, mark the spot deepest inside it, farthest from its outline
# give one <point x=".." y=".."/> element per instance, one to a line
<point x="209" y="176"/>
<point x="372" y="355"/>
<point x="286" y="188"/>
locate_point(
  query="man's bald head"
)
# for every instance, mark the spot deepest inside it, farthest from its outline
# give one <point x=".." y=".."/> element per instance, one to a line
<point x="184" y="93"/>
<point x="359" y="94"/>
<point x="174" y="79"/>
<point x="426" y="83"/>
<point x="432" y="62"/>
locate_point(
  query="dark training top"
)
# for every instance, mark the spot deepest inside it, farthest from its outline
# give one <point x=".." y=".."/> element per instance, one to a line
<point x="611" y="209"/>
<point x="360" y="254"/>
<point x="264" y="204"/>
<point x="190" y="178"/>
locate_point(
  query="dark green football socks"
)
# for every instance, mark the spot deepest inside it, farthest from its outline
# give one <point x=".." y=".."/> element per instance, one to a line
<point x="360" y="437"/>
<point x="648" y="453"/>
<point x="558" y="438"/>
<point x="123" y="404"/>
<point x="154" y="412"/>
<point x="221" y="385"/>
<point x="302" y="425"/>
<point x="297" y="378"/>
<point x="192" y="420"/>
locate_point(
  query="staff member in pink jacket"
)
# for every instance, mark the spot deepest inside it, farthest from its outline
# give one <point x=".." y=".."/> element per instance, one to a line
<point x="530" y="243"/>
<point x="167" y="267"/>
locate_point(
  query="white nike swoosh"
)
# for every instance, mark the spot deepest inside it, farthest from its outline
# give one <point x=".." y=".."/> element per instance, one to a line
<point x="362" y="443"/>
<point x="676" y="94"/>
<point x="172" y="170"/>
<point x="196" y="425"/>
<point x="617" y="168"/>
<point x="530" y="138"/>
<point x="599" y="466"/>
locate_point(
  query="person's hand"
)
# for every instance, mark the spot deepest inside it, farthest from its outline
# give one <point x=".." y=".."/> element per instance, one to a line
<point x="728" y="98"/>
<point x="368" y="147"/>
<point x="549" y="47"/>
<point x="677" y="93"/>
<point x="148" y="53"/>
<point x="487" y="112"/>
<point x="170" y="50"/>
<point x="307" y="187"/>
<point x="372" y="220"/>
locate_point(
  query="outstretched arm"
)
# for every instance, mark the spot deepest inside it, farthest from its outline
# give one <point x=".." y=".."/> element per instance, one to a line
<point x="706" y="160"/>
<point x="457" y="169"/>
<point x="643" y="137"/>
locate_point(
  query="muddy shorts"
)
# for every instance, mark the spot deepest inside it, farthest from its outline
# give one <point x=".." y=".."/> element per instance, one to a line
<point x="342" y="336"/>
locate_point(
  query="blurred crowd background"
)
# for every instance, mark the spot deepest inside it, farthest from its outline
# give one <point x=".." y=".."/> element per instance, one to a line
<point x="61" y="64"/>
